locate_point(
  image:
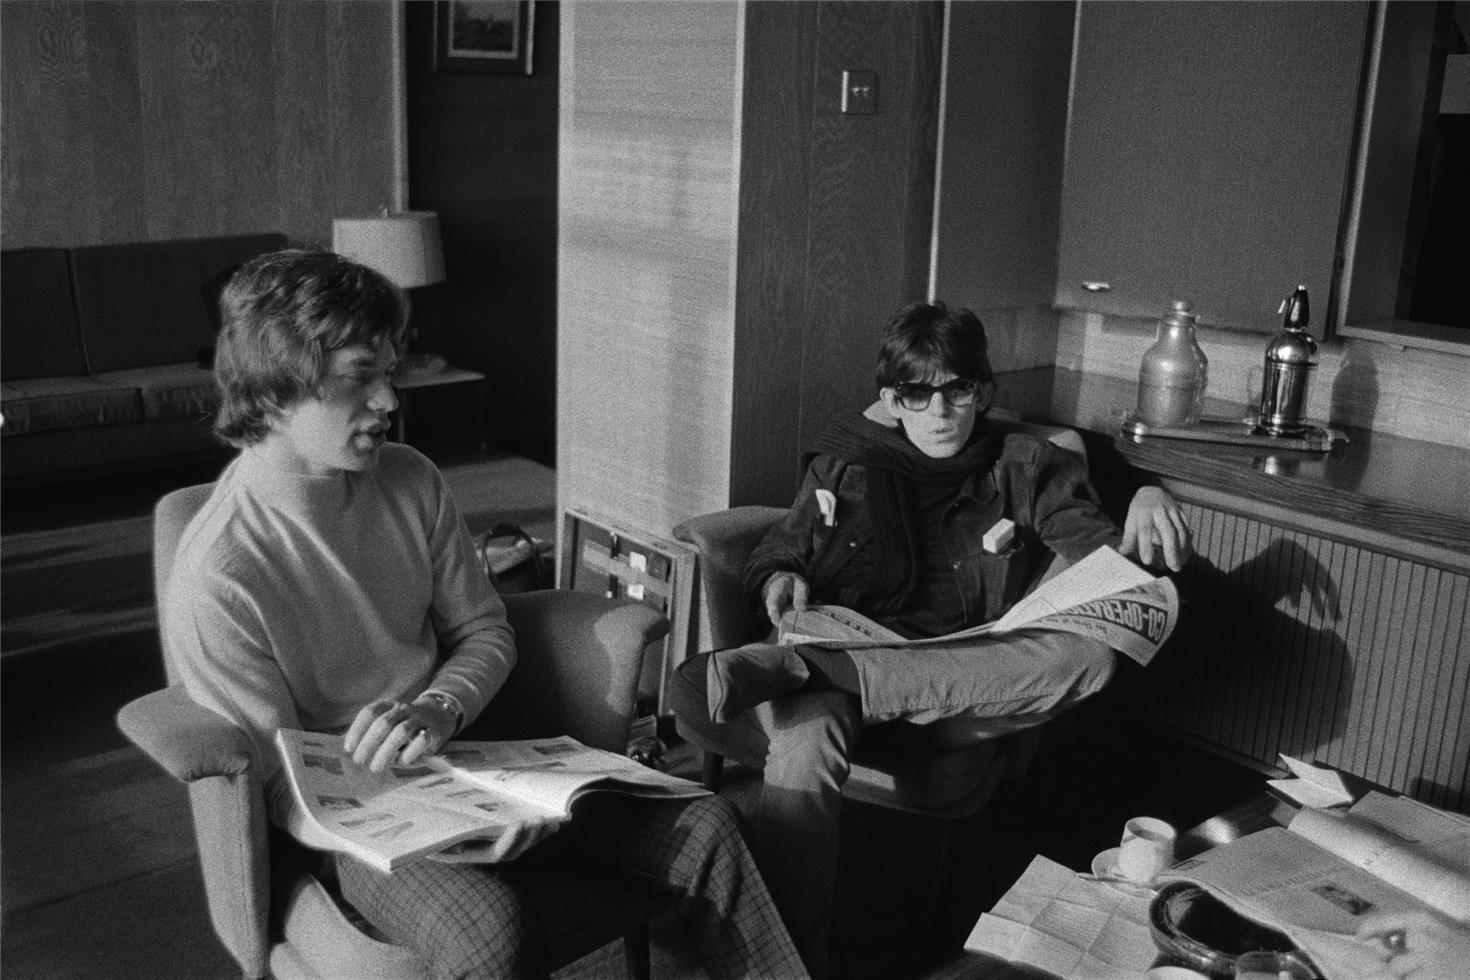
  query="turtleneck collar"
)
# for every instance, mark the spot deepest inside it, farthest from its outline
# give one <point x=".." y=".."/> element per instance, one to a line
<point x="291" y="491"/>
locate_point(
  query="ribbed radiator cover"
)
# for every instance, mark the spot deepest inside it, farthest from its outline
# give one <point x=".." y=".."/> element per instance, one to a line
<point x="1321" y="649"/>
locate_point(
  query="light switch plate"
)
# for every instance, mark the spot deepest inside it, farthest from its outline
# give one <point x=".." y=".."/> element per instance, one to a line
<point x="859" y="92"/>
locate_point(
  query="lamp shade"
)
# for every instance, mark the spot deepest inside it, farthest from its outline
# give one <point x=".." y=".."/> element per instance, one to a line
<point x="405" y="246"/>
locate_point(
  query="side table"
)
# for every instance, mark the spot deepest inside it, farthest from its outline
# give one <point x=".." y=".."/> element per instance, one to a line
<point x="415" y="377"/>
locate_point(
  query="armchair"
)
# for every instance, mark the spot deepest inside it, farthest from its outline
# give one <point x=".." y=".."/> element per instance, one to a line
<point x="577" y="673"/>
<point x="921" y="769"/>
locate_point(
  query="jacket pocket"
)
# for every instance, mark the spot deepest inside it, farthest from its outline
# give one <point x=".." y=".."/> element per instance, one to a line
<point x="844" y="558"/>
<point x="993" y="583"/>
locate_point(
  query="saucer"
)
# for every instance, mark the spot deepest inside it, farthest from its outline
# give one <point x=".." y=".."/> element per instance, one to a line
<point x="1174" y="973"/>
<point x="1105" y="868"/>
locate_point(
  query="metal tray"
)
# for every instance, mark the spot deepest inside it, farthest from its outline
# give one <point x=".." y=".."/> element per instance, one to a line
<point x="1238" y="432"/>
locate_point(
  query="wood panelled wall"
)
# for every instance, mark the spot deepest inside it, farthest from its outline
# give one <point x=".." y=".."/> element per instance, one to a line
<point x="482" y="153"/>
<point x="835" y="219"/>
<point x="138" y="121"/>
<point x="730" y="243"/>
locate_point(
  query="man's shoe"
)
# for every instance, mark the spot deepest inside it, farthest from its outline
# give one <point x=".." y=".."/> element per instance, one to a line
<point x="741" y="678"/>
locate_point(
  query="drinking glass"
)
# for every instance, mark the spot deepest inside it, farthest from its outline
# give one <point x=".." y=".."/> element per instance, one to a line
<point x="1265" y="965"/>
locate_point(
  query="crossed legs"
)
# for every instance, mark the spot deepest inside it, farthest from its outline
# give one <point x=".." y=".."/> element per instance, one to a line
<point x="985" y="688"/>
<point x="1006" y="682"/>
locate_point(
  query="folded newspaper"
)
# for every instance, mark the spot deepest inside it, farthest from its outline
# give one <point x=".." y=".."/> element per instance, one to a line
<point x="469" y="791"/>
<point x="1055" y="920"/>
<point x="1104" y="596"/>
<point x="1315" y="878"/>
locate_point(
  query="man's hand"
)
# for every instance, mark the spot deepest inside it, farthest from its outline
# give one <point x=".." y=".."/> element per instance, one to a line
<point x="1416" y="945"/>
<point x="1155" y="521"/>
<point x="783" y="591"/>
<point x="397" y="733"/>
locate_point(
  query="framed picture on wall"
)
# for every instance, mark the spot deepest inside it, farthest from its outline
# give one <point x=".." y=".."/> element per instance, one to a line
<point x="489" y="36"/>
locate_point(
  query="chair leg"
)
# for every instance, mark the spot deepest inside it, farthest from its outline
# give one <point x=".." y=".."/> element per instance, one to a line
<point x="947" y="845"/>
<point x="714" y="771"/>
<point x="635" y="953"/>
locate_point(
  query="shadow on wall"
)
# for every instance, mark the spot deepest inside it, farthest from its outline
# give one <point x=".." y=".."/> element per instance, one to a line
<point x="1254" y="664"/>
<point x="1355" y="398"/>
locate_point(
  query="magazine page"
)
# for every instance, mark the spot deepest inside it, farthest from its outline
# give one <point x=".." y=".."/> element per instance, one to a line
<point x="552" y="772"/>
<point x="1104" y="596"/>
<point x="1097" y="576"/>
<point x="1135" y="621"/>
<point x="1281" y="880"/>
<point x="1420" y="850"/>
<point x="390" y="818"/>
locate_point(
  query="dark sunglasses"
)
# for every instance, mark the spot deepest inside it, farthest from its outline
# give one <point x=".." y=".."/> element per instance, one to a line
<point x="916" y="396"/>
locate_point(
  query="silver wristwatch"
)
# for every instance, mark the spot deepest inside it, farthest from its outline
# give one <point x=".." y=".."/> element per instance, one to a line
<point x="450" y="704"/>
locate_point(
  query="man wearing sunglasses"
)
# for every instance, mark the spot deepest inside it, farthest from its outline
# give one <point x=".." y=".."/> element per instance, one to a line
<point x="888" y="539"/>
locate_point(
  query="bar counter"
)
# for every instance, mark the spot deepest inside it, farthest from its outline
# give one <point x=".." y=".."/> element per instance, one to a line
<point x="1387" y="486"/>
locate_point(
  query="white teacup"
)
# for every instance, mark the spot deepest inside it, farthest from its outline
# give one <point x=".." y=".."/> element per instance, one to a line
<point x="1147" y="848"/>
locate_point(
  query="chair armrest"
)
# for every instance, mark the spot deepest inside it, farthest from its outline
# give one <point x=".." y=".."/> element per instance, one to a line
<point x="190" y="742"/>
<point x="1057" y="435"/>
<point x="737" y="530"/>
<point x="579" y="658"/>
<point x="725" y="540"/>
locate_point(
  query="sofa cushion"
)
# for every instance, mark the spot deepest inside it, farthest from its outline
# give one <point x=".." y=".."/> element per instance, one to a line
<point x="148" y="303"/>
<point x="39" y="404"/>
<point x="40" y="334"/>
<point x="169" y="391"/>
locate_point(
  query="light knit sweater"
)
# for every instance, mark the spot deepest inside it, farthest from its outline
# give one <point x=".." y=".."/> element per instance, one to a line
<point x="296" y="600"/>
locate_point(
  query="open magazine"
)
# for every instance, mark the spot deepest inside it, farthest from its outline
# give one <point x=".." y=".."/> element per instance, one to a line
<point x="1315" y="878"/>
<point x="1104" y="596"/>
<point x="469" y="791"/>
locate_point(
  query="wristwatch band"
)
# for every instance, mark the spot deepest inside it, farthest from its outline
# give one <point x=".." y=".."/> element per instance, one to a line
<point x="450" y="704"/>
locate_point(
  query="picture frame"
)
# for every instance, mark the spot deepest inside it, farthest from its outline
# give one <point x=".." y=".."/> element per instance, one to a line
<point x="484" y="36"/>
<point x="601" y="556"/>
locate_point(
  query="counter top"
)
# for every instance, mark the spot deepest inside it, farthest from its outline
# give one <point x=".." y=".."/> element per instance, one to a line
<point x="1405" y="488"/>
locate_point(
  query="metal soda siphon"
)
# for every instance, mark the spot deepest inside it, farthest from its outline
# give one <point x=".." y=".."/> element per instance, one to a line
<point x="1290" y="358"/>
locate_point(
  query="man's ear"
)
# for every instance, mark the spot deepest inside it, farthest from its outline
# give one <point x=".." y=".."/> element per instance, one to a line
<point x="889" y="398"/>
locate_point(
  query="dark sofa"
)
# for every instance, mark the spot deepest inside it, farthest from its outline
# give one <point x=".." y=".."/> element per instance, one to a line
<point x="103" y="351"/>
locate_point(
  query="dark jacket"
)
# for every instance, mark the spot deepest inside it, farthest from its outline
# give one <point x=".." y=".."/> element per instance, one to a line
<point x="1041" y="487"/>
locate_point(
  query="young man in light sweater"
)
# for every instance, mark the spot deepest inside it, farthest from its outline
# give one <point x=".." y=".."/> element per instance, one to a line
<point x="330" y="584"/>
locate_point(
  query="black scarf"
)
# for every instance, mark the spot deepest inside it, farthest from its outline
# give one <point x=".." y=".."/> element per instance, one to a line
<point x="893" y="465"/>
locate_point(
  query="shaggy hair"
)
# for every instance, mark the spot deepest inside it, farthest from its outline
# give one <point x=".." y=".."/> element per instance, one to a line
<point x="282" y="314"/>
<point x="924" y="340"/>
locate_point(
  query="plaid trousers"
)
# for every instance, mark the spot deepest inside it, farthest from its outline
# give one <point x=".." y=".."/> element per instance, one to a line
<point x="472" y="921"/>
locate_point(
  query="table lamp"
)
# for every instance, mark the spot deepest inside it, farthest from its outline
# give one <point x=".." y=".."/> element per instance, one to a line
<point x="404" y="246"/>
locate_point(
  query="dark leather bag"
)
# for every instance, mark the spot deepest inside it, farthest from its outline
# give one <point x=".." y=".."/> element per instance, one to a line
<point x="512" y="559"/>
